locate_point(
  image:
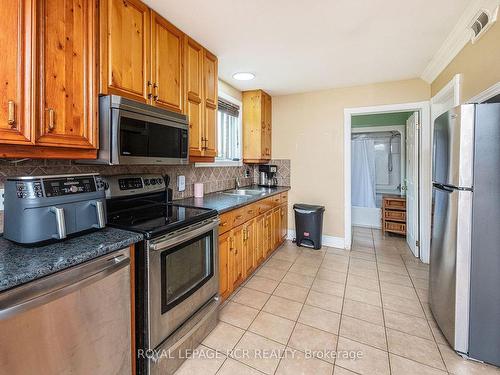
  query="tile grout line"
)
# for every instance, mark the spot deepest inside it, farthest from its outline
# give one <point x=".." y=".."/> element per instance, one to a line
<point x="256" y="315"/>
<point x="382" y="306"/>
<point x="425" y="317"/>
<point x="300" y="312"/>
<point x="342" y="310"/>
<point x="427" y="320"/>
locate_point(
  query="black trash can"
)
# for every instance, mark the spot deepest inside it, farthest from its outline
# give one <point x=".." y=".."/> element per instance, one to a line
<point x="308" y="225"/>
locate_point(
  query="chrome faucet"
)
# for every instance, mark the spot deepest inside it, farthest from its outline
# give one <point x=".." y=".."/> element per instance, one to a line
<point x="237" y="183"/>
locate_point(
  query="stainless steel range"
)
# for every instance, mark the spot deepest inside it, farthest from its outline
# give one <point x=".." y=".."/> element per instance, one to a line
<point x="176" y="269"/>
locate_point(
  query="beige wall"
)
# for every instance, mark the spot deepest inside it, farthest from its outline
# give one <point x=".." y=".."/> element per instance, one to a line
<point x="478" y="63"/>
<point x="230" y="90"/>
<point x="309" y="129"/>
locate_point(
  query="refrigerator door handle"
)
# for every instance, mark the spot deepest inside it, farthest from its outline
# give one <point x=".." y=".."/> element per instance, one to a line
<point x="442" y="187"/>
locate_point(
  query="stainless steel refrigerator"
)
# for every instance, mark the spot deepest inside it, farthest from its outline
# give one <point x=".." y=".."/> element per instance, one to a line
<point x="464" y="281"/>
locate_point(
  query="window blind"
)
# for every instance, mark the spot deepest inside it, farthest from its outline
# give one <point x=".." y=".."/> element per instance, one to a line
<point x="228" y="108"/>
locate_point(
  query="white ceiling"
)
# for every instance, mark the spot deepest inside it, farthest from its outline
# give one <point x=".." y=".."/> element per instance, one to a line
<point x="298" y="46"/>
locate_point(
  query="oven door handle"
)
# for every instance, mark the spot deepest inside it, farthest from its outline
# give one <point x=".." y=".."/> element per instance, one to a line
<point x="184" y="235"/>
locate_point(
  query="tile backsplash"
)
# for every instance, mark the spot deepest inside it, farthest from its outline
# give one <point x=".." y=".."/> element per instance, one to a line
<point x="213" y="178"/>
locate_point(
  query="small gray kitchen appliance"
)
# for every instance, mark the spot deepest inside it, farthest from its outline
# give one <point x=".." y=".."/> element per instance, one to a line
<point x="48" y="208"/>
<point x="267" y="175"/>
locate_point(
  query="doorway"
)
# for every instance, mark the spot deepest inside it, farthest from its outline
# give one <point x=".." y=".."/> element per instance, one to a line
<point x="384" y="156"/>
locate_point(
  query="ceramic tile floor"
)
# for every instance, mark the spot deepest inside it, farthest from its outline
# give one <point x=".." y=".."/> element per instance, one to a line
<point x="303" y="304"/>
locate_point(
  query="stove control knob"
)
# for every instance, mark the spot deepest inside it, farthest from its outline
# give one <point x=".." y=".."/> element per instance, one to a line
<point x="153" y="181"/>
<point x="146" y="181"/>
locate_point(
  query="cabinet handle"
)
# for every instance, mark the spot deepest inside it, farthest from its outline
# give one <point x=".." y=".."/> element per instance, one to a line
<point x="12" y="114"/>
<point x="51" y="119"/>
<point x="156" y="89"/>
<point x="238" y="217"/>
<point x="149" y="90"/>
<point x="223" y="224"/>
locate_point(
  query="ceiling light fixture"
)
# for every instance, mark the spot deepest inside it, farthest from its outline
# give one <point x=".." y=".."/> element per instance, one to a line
<point x="243" y="76"/>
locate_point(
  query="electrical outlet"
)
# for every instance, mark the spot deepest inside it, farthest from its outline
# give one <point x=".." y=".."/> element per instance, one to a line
<point x="1" y="199"/>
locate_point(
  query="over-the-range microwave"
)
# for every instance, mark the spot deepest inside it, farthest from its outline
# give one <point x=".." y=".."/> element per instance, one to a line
<point x="135" y="133"/>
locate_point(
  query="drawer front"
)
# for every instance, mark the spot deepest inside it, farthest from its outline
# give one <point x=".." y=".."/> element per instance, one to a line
<point x="265" y="205"/>
<point x="226" y="222"/>
<point x="276" y="199"/>
<point x="395" y="204"/>
<point x="284" y="196"/>
<point x="239" y="216"/>
<point x="395" y="215"/>
<point x="251" y="211"/>
<point x="395" y="227"/>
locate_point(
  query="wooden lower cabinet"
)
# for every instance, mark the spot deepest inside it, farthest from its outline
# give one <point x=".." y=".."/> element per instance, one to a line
<point x="249" y="248"/>
<point x="246" y="241"/>
<point x="284" y="221"/>
<point x="238" y="259"/>
<point x="276" y="227"/>
<point x="225" y="258"/>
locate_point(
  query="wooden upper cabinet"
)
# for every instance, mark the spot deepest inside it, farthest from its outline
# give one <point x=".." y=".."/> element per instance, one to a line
<point x="201" y="100"/>
<point x="257" y="126"/>
<point x="194" y="95"/>
<point x="15" y="72"/>
<point x="266" y="144"/>
<point x="125" y="49"/>
<point x="210" y="68"/>
<point x="167" y="65"/>
<point x="66" y="90"/>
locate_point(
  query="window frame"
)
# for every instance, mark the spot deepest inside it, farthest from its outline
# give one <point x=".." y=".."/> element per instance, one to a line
<point x="223" y="162"/>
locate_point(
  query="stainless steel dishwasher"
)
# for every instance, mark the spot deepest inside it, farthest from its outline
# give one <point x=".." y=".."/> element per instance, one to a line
<point x="76" y="321"/>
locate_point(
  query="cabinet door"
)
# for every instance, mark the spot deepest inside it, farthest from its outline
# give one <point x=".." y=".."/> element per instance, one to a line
<point x="276" y="227"/>
<point x="194" y="92"/>
<point x="268" y="234"/>
<point x="238" y="271"/>
<point x="66" y="85"/>
<point x="267" y="126"/>
<point x="210" y="83"/>
<point x="15" y="71"/>
<point x="259" y="239"/>
<point x="249" y="246"/>
<point x="125" y="49"/>
<point x="225" y="258"/>
<point x="167" y="54"/>
<point x="284" y="221"/>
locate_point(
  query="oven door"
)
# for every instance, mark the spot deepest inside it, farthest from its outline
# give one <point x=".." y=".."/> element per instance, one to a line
<point x="182" y="276"/>
<point x="138" y="138"/>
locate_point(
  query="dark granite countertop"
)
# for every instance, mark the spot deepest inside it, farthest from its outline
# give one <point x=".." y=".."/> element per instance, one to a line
<point x="224" y="202"/>
<point x="19" y="264"/>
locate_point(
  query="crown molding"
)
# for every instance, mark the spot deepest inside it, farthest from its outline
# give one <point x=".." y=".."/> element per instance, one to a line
<point x="457" y="39"/>
<point x="489" y="93"/>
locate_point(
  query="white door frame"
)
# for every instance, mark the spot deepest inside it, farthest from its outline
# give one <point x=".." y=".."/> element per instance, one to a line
<point x="425" y="148"/>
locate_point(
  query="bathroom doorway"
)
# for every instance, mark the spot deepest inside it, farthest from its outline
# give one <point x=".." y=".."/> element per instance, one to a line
<point x="378" y="169"/>
<point x="385" y="158"/>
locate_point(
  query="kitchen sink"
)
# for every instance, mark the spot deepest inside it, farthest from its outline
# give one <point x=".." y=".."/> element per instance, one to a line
<point x="247" y="192"/>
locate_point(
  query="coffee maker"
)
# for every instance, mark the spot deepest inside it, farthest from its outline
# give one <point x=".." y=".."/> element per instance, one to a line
<point x="267" y="175"/>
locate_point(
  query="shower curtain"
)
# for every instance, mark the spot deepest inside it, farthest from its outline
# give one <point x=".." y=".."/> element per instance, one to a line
<point x="363" y="172"/>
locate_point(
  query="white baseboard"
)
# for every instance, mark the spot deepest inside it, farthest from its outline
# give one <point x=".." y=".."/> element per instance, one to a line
<point x="329" y="241"/>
